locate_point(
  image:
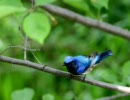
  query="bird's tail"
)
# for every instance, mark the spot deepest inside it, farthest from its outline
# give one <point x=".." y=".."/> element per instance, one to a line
<point x="105" y="54"/>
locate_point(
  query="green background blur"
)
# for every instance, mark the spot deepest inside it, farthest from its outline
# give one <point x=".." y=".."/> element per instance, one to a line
<point x="62" y="37"/>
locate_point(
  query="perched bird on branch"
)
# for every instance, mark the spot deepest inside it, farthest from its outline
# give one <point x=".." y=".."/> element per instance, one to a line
<point x="79" y="65"/>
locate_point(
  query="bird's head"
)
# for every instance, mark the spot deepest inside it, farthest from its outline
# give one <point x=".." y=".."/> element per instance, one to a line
<point x="68" y="59"/>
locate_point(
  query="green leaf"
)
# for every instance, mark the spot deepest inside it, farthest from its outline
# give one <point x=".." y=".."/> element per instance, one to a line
<point x="7" y="10"/>
<point x="69" y="95"/>
<point x="84" y="95"/>
<point x="47" y="97"/>
<point x="100" y="3"/>
<point x="8" y="7"/>
<point x="25" y="94"/>
<point x="16" y="3"/>
<point x="43" y="2"/>
<point x="126" y="72"/>
<point x="78" y="4"/>
<point x="37" y="26"/>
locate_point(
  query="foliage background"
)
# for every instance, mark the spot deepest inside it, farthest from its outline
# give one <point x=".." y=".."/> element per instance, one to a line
<point x="62" y="39"/>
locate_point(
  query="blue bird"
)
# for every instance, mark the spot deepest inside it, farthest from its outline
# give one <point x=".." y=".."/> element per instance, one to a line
<point x="78" y="65"/>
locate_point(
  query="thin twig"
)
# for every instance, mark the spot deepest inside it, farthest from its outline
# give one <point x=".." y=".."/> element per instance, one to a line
<point x="114" y="97"/>
<point x="33" y="3"/>
<point x="21" y="33"/>
<point x="88" y="21"/>
<point x="53" y="71"/>
<point x="34" y="54"/>
<point x="18" y="47"/>
<point x="25" y="47"/>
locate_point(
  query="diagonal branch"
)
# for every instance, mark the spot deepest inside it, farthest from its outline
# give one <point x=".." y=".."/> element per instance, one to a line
<point x="64" y="74"/>
<point x="88" y="21"/>
<point x="114" y="97"/>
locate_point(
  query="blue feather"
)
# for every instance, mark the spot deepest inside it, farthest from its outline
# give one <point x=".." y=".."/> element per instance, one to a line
<point x="100" y="57"/>
<point x="78" y="65"/>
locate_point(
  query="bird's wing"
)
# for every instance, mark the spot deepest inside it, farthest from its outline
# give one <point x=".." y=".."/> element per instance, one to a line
<point x="93" y="60"/>
<point x="82" y="63"/>
<point x="97" y="58"/>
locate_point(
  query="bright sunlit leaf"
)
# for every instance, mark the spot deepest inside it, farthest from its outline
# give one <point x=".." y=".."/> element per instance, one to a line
<point x="47" y="97"/>
<point x="43" y="2"/>
<point x="100" y="3"/>
<point x="25" y="94"/>
<point x="8" y="7"/>
<point x="79" y="4"/>
<point x="37" y="26"/>
<point x="7" y="10"/>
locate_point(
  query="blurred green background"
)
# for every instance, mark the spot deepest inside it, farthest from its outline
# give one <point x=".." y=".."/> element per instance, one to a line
<point x="57" y="37"/>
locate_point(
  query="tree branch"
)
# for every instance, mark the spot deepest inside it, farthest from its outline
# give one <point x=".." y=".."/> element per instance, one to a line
<point x="88" y="21"/>
<point x="64" y="74"/>
<point x="114" y="97"/>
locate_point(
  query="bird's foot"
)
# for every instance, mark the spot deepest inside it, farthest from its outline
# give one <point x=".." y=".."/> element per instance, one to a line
<point x="84" y="77"/>
<point x="44" y="67"/>
<point x="70" y="75"/>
